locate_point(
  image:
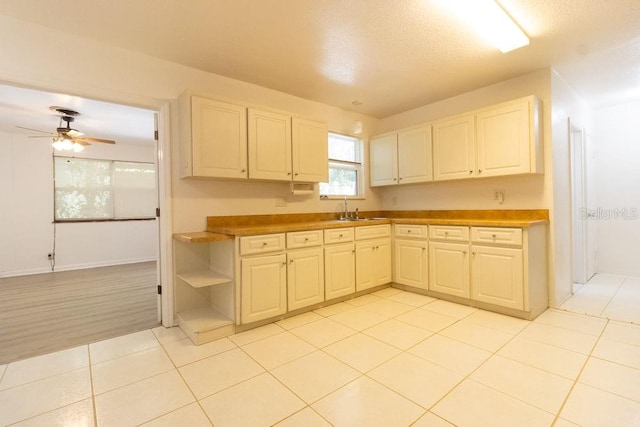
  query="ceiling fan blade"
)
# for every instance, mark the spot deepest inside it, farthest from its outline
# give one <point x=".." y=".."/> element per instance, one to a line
<point x="90" y="139"/>
<point x="35" y="130"/>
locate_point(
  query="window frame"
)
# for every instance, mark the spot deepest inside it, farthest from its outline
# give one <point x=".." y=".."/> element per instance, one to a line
<point x="112" y="217"/>
<point x="357" y="166"/>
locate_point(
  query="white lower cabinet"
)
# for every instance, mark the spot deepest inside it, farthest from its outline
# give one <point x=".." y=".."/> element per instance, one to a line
<point x="339" y="270"/>
<point x="263" y="287"/>
<point x="449" y="268"/>
<point x="497" y="276"/>
<point x="305" y="278"/>
<point x="373" y="263"/>
<point x="411" y="257"/>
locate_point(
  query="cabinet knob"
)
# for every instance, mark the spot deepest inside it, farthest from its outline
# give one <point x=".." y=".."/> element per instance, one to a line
<point x="340" y="236"/>
<point x="288" y="173"/>
<point x="464" y="252"/>
<point x="479" y="170"/>
<point x="395" y="179"/>
<point x="493" y="235"/>
<point x="291" y="261"/>
<point x="353" y="251"/>
<point x="296" y="174"/>
<point x="400" y="179"/>
<point x="408" y="231"/>
<point x="446" y="233"/>
<point x="243" y="171"/>
<point x="284" y="264"/>
<point x="470" y="172"/>
<point x="264" y="244"/>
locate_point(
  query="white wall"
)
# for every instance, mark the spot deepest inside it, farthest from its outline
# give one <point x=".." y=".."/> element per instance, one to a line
<point x="26" y="217"/>
<point x="617" y="136"/>
<point x="566" y="104"/>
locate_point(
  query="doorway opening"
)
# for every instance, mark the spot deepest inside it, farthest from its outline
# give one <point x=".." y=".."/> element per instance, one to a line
<point x="101" y="277"/>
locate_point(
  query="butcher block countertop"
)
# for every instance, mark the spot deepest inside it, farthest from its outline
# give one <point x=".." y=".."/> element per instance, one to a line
<point x="228" y="227"/>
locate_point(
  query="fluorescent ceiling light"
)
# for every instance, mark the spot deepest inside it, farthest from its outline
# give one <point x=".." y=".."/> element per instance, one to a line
<point x="490" y="20"/>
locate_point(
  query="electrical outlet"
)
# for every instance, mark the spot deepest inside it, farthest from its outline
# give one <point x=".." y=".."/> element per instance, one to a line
<point x="499" y="196"/>
<point x="280" y="202"/>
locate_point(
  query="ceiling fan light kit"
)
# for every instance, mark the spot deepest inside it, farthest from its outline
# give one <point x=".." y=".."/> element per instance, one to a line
<point x="65" y="138"/>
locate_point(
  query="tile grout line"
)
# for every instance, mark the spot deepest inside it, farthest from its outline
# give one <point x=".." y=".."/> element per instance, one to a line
<point x="575" y="382"/>
<point x="93" y="394"/>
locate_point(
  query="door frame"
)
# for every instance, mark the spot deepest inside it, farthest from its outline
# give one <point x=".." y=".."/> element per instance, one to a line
<point x="578" y="202"/>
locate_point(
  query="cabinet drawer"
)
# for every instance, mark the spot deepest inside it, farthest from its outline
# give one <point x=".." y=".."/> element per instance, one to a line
<point x="446" y="232"/>
<point x="338" y="235"/>
<point x="304" y="239"/>
<point x="261" y="244"/>
<point x="373" y="231"/>
<point x="410" y="230"/>
<point x="509" y="236"/>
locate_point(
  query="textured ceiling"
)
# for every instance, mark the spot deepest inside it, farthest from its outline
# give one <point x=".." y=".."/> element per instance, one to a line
<point x="392" y="55"/>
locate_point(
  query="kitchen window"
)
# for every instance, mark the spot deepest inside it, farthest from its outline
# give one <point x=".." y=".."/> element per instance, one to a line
<point x="345" y="167"/>
<point x="103" y="190"/>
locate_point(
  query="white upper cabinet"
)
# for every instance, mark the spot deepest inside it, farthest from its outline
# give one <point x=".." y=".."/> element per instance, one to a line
<point x="454" y="144"/>
<point x="214" y="138"/>
<point x="414" y="155"/>
<point x="500" y="140"/>
<point x="310" y="157"/>
<point x="286" y="149"/>
<point x="401" y="158"/>
<point x="508" y="139"/>
<point x="383" y="159"/>
<point x="269" y="145"/>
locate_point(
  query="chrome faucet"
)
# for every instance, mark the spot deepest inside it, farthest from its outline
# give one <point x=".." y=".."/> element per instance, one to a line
<point x="346" y="210"/>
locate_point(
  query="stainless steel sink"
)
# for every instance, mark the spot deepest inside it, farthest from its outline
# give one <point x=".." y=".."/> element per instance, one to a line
<point x="360" y="219"/>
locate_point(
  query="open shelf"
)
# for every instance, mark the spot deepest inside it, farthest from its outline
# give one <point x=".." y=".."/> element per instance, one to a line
<point x="204" y="324"/>
<point x="202" y="278"/>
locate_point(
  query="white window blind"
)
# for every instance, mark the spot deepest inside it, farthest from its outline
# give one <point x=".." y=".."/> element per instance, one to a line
<point x="89" y="189"/>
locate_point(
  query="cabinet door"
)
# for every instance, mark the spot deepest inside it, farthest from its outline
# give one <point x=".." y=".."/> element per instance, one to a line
<point x="504" y="139"/>
<point x="309" y="149"/>
<point x="269" y="145"/>
<point x="411" y="259"/>
<point x="219" y="139"/>
<point x="497" y="276"/>
<point x="414" y="155"/>
<point x="339" y="270"/>
<point x="263" y="287"/>
<point x="449" y="268"/>
<point x="454" y="148"/>
<point x="383" y="159"/>
<point x="373" y="263"/>
<point x="305" y="278"/>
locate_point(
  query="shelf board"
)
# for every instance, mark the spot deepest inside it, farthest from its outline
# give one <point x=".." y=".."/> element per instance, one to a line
<point x="203" y="278"/>
<point x="204" y="324"/>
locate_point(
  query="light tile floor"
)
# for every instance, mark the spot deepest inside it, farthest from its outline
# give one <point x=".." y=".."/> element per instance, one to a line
<point x="607" y="295"/>
<point x="392" y="358"/>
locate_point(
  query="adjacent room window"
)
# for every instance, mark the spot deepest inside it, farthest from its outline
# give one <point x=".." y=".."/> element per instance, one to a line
<point x="89" y="189"/>
<point x="345" y="167"/>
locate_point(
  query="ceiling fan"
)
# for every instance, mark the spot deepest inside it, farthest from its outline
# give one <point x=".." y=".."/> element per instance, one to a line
<point x="65" y="138"/>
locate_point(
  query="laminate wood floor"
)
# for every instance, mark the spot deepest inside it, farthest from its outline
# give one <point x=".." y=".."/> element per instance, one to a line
<point x="47" y="312"/>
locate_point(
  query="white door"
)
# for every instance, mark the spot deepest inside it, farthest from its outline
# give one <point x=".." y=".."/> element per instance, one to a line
<point x="578" y="204"/>
<point x="449" y="268"/>
<point x="305" y="278"/>
<point x="269" y="136"/>
<point x="411" y="261"/>
<point x="219" y="139"/>
<point x="263" y="287"/>
<point x="309" y="148"/>
<point x="497" y="276"/>
<point x="454" y="154"/>
<point x="414" y="155"/>
<point x="339" y="270"/>
<point x="503" y="140"/>
<point x="383" y="159"/>
<point x="591" y="205"/>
